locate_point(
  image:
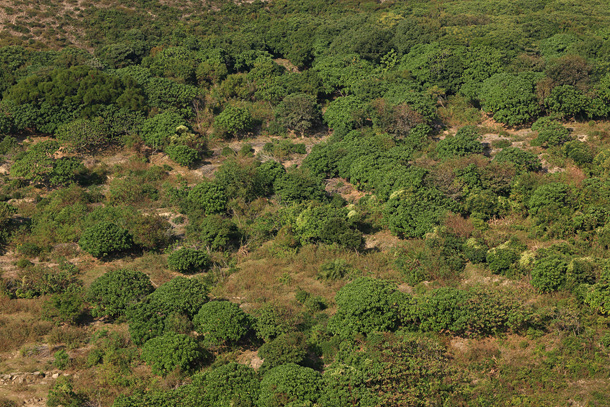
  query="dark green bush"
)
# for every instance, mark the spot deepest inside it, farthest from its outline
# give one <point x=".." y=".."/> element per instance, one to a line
<point x="286" y="348"/>
<point x="475" y="251"/>
<point x="290" y="384"/>
<point x="222" y="322"/>
<point x="550" y="133"/>
<point x="158" y="130"/>
<point x="578" y="151"/>
<point x="597" y="296"/>
<point x="271" y="322"/>
<point x="169" y="308"/>
<point x="61" y="359"/>
<point x="366" y="305"/>
<point x="549" y="273"/>
<point x="219" y="233"/>
<point x="104" y="239"/>
<point x="299" y="112"/>
<point x="234" y="121"/>
<point x="187" y="261"/>
<point x="299" y="186"/>
<point x="183" y="155"/>
<point x="114" y="292"/>
<point x="66" y="307"/>
<point x="522" y="160"/>
<point x="344" y="385"/>
<point x="413" y="214"/>
<point x="171" y="352"/>
<point x="500" y="259"/>
<point x="465" y="142"/>
<point x="227" y="385"/>
<point x="209" y="197"/>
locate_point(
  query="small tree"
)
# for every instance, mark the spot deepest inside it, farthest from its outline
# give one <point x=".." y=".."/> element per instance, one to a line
<point x="172" y="351"/>
<point x="187" y="260"/>
<point x="222" y="322"/>
<point x="112" y="293"/>
<point x="299" y="112"/>
<point x="182" y="154"/>
<point x="219" y="233"/>
<point x="105" y="238"/>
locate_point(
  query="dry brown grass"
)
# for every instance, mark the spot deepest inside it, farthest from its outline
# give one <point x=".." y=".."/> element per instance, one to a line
<point x="18" y="331"/>
<point x="264" y="277"/>
<point x="459" y="226"/>
<point x="14" y="306"/>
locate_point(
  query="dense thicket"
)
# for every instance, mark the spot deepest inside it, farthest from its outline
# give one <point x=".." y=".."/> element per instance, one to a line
<point x="308" y="203"/>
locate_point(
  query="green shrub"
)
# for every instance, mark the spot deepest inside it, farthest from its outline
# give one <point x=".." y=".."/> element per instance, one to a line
<point x="169" y="308"/>
<point x="548" y="200"/>
<point x="345" y="113"/>
<point x="500" y="259"/>
<point x="299" y="186"/>
<point x="465" y="142"/>
<point x="112" y="293"/>
<point x="344" y="385"/>
<point x="598" y="295"/>
<point x="290" y="384"/>
<point x="66" y="307"/>
<point x="413" y="214"/>
<point x="222" y="322"/>
<point x="187" y="260"/>
<point x="471" y="312"/>
<point x="511" y="98"/>
<point x="522" y="160"/>
<point x="246" y="150"/>
<point x="366" y="305"/>
<point x="232" y="384"/>
<point x="334" y="270"/>
<point x="299" y="112"/>
<point x="578" y="151"/>
<point x="8" y="144"/>
<point x="158" y="130"/>
<point x="83" y="135"/>
<point x="171" y="352"/>
<point x="580" y="271"/>
<point x="219" y="233"/>
<point x="475" y="251"/>
<point x="61" y="359"/>
<point x="209" y="197"/>
<point x="549" y="273"/>
<point x="234" y="121"/>
<point x="183" y="155"/>
<point x="62" y="394"/>
<point x="104" y="239"/>
<point x="286" y="348"/>
<point x="271" y="322"/>
<point x="550" y="133"/>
